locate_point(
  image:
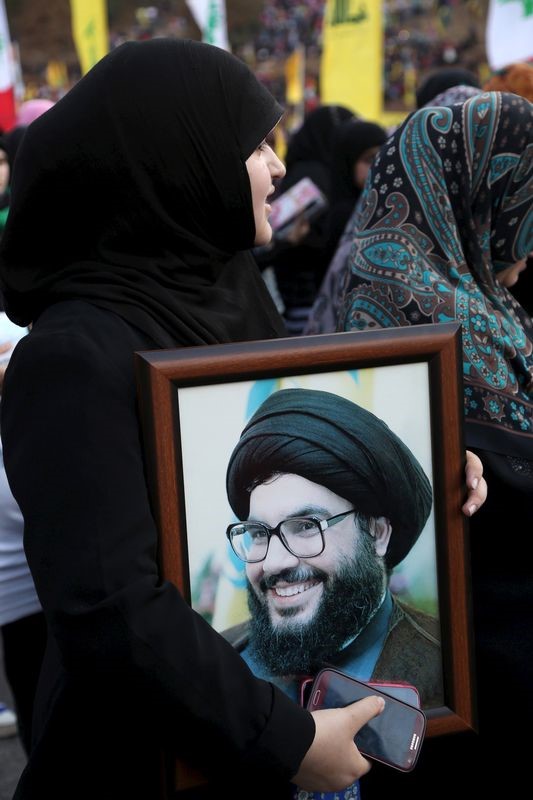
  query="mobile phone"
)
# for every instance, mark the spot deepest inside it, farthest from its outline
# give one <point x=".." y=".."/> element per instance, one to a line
<point x="394" y="737"/>
<point x="402" y="691"/>
<point x="304" y="198"/>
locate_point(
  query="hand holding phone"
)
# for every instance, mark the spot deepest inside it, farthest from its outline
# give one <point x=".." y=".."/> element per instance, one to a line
<point x="303" y="201"/>
<point x="401" y="690"/>
<point x="332" y="762"/>
<point x="394" y="737"/>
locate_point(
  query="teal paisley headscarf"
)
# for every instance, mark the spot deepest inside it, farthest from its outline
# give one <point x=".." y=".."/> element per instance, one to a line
<point x="448" y="204"/>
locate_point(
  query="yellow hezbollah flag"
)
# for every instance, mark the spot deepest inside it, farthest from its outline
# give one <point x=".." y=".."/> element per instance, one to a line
<point x="280" y="142"/>
<point x="89" y="28"/>
<point x="294" y="76"/>
<point x="352" y="62"/>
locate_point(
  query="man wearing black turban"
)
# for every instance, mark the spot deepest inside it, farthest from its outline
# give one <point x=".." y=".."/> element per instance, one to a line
<point x="348" y="501"/>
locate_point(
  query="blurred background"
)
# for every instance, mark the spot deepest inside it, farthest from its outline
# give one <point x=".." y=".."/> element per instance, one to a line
<point x="282" y="40"/>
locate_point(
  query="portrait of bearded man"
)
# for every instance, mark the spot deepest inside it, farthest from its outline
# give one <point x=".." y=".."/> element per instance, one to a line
<point x="330" y="500"/>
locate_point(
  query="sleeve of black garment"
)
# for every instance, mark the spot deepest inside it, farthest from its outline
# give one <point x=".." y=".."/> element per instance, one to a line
<point x="74" y="458"/>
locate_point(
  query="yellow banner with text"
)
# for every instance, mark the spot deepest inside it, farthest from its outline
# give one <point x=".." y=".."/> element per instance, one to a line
<point x="352" y="56"/>
<point x="90" y="31"/>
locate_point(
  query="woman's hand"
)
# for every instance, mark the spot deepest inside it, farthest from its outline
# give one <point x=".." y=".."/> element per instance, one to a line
<point x="333" y="762"/>
<point x="475" y="483"/>
<point x="298" y="231"/>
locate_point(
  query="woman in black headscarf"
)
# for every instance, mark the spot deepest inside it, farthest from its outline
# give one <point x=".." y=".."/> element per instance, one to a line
<point x="441" y="79"/>
<point x="355" y="146"/>
<point x="154" y="171"/>
<point x="300" y="265"/>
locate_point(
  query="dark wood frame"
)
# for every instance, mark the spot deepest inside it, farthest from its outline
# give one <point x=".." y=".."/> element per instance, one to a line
<point x="161" y="372"/>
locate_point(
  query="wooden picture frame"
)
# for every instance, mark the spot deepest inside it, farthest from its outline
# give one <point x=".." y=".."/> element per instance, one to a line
<point x="178" y="387"/>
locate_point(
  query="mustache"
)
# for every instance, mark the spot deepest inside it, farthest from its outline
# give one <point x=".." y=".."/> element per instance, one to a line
<point x="292" y="575"/>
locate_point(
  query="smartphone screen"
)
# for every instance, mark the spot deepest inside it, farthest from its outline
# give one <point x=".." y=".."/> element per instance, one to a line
<point x="394" y="737"/>
<point x="303" y="198"/>
<point x="402" y="691"/>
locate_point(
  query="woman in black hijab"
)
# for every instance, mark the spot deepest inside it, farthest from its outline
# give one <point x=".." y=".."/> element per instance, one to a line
<point x="131" y="169"/>
<point x="300" y="266"/>
<point x="441" y="79"/>
<point x="133" y="201"/>
<point x="355" y="144"/>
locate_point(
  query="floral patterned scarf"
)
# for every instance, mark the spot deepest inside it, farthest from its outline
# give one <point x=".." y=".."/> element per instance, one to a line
<point x="449" y="204"/>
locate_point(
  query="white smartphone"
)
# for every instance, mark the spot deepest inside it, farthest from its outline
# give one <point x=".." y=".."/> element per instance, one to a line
<point x="302" y="199"/>
<point x="394" y="737"/>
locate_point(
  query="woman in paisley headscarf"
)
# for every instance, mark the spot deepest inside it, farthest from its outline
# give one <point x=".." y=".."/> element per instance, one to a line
<point x="446" y="223"/>
<point x="325" y="311"/>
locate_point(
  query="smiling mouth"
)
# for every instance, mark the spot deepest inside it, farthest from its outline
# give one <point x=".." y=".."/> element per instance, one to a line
<point x="293" y="589"/>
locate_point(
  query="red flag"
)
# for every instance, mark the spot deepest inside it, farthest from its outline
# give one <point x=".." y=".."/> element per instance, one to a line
<point x="7" y="89"/>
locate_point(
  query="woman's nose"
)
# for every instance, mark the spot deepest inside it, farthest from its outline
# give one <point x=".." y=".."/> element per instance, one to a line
<point x="278" y="167"/>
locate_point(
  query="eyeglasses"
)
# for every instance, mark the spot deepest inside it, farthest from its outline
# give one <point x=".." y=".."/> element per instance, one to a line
<point x="301" y="536"/>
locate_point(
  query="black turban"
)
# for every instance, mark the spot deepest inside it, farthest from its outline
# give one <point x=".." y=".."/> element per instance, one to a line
<point x="337" y="444"/>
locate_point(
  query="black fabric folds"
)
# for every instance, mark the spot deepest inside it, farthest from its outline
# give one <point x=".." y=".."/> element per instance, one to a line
<point x="314" y="140"/>
<point x="132" y="193"/>
<point x="442" y="79"/>
<point x="333" y="442"/>
<point x="351" y="140"/>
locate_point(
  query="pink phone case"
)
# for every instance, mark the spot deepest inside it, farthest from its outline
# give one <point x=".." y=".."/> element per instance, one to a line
<point x="394" y="737"/>
<point x="304" y="198"/>
<point x="402" y="691"/>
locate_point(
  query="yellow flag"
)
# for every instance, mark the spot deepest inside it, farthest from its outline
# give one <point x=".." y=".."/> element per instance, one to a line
<point x="295" y="76"/>
<point x="409" y="87"/>
<point x="352" y="62"/>
<point x="280" y="142"/>
<point x="56" y="74"/>
<point x="89" y="29"/>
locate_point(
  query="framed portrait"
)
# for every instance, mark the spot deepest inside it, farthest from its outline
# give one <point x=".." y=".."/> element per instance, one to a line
<point x="257" y="543"/>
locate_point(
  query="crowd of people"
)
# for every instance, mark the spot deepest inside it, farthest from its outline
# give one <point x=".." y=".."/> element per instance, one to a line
<point x="418" y="37"/>
<point x="423" y="36"/>
<point x="160" y="165"/>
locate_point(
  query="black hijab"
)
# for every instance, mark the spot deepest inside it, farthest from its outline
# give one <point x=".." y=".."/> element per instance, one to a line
<point x="132" y="193"/>
<point x="314" y="140"/>
<point x="333" y="442"/>
<point x="351" y="140"/>
<point x="440" y="80"/>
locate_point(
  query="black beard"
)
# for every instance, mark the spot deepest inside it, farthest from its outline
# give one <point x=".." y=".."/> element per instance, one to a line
<point x="349" y="600"/>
